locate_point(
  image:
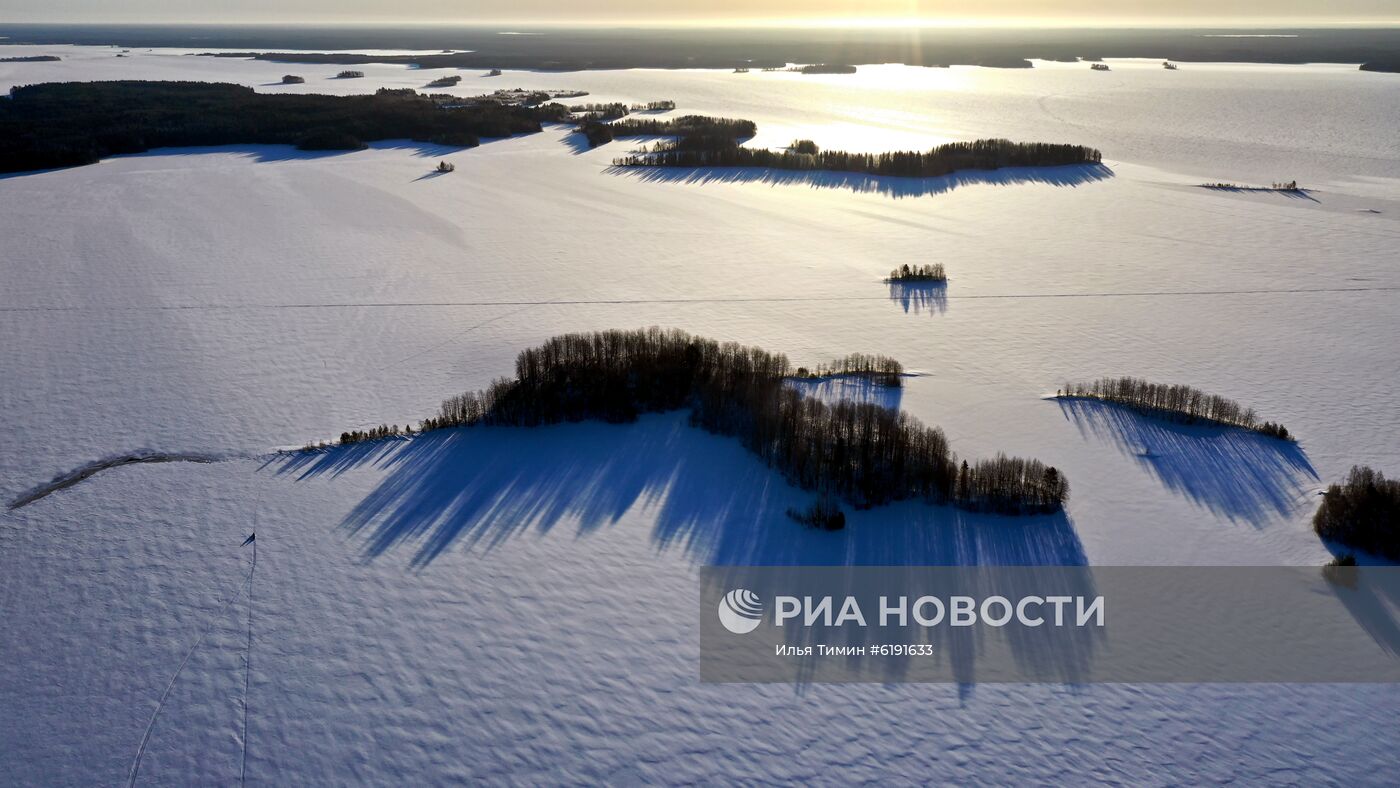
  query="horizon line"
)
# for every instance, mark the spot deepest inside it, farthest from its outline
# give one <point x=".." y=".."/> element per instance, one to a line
<point x="779" y="23"/>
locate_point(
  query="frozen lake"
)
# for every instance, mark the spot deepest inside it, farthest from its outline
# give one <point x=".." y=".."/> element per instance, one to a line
<point x="228" y="301"/>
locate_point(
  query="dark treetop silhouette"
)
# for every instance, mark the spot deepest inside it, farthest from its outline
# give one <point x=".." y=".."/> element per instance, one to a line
<point x="864" y="453"/>
<point x="698" y="129"/>
<point x="1363" y="512"/>
<point x="930" y="273"/>
<point x="715" y="143"/>
<point x="74" y="123"/>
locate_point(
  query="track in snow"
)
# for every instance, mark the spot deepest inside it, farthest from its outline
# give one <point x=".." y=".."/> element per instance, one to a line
<point x="78" y="474"/>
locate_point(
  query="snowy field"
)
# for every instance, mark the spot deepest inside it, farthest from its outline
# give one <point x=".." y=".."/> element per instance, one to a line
<point x="520" y="605"/>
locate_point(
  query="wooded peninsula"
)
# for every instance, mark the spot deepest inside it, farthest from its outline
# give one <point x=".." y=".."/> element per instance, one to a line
<point x="864" y="453"/>
<point x="75" y="123"/>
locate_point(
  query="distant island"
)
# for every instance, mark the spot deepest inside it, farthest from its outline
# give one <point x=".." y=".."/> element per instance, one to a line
<point x="825" y="68"/>
<point x="714" y="142"/>
<point x="1387" y="66"/>
<point x="445" y="82"/>
<point x="292" y="79"/>
<point x="614" y="47"/>
<point x="31" y="59"/>
<point x="74" y="123"/>
<point x="1174" y="403"/>
<point x="636" y="53"/>
<point x="866" y="454"/>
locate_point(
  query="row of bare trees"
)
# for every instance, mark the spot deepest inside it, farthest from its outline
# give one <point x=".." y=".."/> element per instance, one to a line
<point x="1182" y="402"/>
<point x="929" y="272"/>
<point x="864" y="453"/>
<point x="610" y="111"/>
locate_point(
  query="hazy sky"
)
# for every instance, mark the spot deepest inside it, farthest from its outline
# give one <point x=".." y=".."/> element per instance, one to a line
<point x="711" y="11"/>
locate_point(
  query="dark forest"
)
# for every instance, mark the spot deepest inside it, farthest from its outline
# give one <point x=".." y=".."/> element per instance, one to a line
<point x="1363" y="512"/>
<point x="70" y="124"/>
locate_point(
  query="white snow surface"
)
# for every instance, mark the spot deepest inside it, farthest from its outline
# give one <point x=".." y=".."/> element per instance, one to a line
<point x="520" y="605"/>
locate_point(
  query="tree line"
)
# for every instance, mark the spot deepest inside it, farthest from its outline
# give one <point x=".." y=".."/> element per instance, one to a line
<point x="696" y="126"/>
<point x="864" y="453"/>
<point x="1363" y="512"/>
<point x="696" y="129"/>
<point x="694" y="150"/>
<point x="1183" y="403"/>
<point x="609" y="111"/>
<point x="69" y="124"/>
<point x="931" y="272"/>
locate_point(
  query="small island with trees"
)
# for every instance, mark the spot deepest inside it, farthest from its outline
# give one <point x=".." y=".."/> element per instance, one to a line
<point x="698" y="128"/>
<point x="1280" y="186"/>
<point x="445" y="82"/>
<point x="930" y="273"/>
<point x="31" y="59"/>
<point x="350" y="74"/>
<point x="292" y="79"/>
<point x="866" y="454"/>
<point x="1363" y="513"/>
<point x="715" y="142"/>
<point x="1173" y="402"/>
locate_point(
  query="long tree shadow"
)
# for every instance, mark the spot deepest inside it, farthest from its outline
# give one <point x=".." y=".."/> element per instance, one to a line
<point x="710" y="499"/>
<point x="1232" y="472"/>
<point x="920" y="296"/>
<point x="889" y="185"/>
<point x="576" y="142"/>
<point x="1372" y="597"/>
<point x="1295" y="194"/>
<point x="476" y="488"/>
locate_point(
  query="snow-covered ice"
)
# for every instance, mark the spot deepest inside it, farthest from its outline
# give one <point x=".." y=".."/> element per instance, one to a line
<point x="520" y="605"/>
